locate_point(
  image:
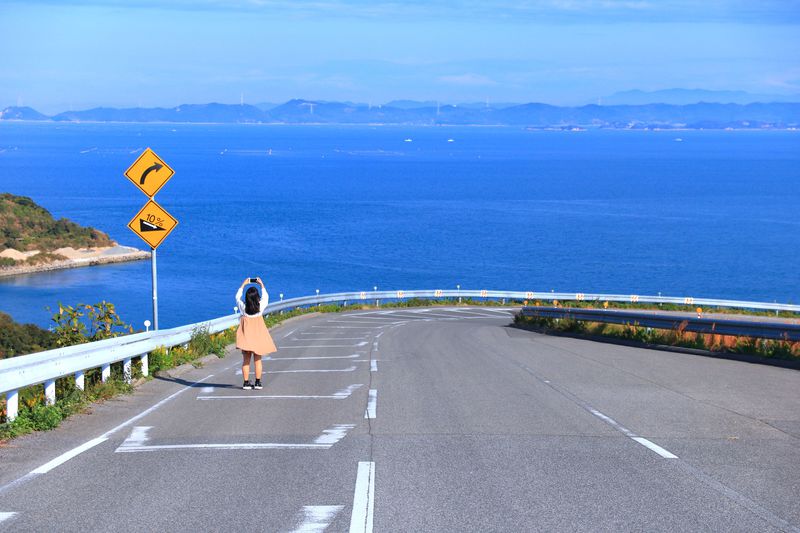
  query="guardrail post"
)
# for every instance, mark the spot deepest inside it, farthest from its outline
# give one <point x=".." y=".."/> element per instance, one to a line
<point x="50" y="392"/>
<point x="80" y="382"/>
<point x="12" y="405"/>
<point x="126" y="370"/>
<point x="105" y="372"/>
<point x="145" y="369"/>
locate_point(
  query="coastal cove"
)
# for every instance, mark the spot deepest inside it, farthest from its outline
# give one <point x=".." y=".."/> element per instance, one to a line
<point x="83" y="257"/>
<point x="694" y="213"/>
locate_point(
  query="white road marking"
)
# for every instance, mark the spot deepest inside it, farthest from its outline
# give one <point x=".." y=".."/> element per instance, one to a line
<point x="207" y="390"/>
<point x="404" y="316"/>
<point x="470" y="311"/>
<point x="346" y="327"/>
<point x="655" y="447"/>
<point x="325" y="441"/>
<point x="373" y="366"/>
<point x="338" y="395"/>
<point x="324" y="346"/>
<point x="64" y="457"/>
<point x="372" y="404"/>
<point x="316" y="518"/>
<point x="92" y="443"/>
<point x="289" y="333"/>
<point x="138" y="436"/>
<point x="353" y="356"/>
<point x="610" y="421"/>
<point x="500" y="311"/>
<point x="333" y="338"/>
<point x="335" y="434"/>
<point x="232" y="446"/>
<point x="6" y="516"/>
<point x="363" y="498"/>
<point x="630" y="434"/>
<point x="365" y="317"/>
<point x="350" y="369"/>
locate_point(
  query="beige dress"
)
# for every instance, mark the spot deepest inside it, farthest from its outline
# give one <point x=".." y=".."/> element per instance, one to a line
<point x="253" y="335"/>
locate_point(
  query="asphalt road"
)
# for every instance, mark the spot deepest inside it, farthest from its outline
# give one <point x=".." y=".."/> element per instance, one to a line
<point x="439" y="419"/>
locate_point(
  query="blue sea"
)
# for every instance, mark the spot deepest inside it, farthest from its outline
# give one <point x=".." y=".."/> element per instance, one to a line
<point x="686" y="213"/>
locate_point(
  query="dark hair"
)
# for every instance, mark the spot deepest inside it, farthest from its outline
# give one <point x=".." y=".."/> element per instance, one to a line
<point x="252" y="301"/>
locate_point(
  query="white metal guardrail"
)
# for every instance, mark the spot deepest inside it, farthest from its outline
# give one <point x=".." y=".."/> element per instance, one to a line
<point x="45" y="367"/>
<point x="716" y="325"/>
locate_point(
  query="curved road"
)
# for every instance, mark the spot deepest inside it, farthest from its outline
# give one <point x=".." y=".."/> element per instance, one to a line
<point x="441" y="419"/>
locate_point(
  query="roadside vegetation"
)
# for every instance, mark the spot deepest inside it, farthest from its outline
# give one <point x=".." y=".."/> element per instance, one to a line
<point x="26" y="226"/>
<point x="733" y="344"/>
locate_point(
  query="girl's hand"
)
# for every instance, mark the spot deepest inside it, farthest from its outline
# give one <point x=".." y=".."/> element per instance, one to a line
<point x="245" y="282"/>
<point x="260" y="282"/>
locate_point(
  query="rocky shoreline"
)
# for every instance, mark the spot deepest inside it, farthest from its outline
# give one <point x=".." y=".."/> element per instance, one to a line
<point x="89" y="257"/>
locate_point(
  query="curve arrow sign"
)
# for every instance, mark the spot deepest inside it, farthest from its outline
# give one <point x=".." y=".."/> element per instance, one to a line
<point x="148" y="170"/>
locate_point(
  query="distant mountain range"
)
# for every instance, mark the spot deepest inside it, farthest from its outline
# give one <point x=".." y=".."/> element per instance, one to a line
<point x="693" y="96"/>
<point x="534" y="115"/>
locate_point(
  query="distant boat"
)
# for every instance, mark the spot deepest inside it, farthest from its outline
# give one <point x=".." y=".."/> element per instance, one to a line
<point x="450" y="140"/>
<point x="678" y="140"/>
<point x="409" y="141"/>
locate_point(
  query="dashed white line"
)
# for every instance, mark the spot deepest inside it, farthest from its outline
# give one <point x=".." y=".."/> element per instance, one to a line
<point x="363" y="498"/>
<point x="316" y="518"/>
<point x="373" y="366"/>
<point x="64" y="457"/>
<point x="6" y="516"/>
<point x="633" y="436"/>
<point x="372" y="404"/>
<point x="655" y="447"/>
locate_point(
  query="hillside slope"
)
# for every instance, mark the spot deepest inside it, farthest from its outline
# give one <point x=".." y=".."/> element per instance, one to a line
<point x="26" y="226"/>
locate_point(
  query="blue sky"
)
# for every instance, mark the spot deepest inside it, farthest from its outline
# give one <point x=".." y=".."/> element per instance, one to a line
<point x="77" y="54"/>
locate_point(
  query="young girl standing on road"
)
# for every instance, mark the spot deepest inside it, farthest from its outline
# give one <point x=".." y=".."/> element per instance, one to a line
<point x="252" y="337"/>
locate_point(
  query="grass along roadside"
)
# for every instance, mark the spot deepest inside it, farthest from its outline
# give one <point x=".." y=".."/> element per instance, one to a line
<point x="715" y="343"/>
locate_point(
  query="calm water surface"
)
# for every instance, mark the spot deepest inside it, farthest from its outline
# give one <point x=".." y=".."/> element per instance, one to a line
<point x="716" y="214"/>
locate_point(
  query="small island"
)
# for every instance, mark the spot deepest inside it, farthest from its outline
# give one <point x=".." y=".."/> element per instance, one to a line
<point x="31" y="240"/>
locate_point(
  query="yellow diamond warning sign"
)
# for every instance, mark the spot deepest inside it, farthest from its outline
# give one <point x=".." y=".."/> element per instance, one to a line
<point x="149" y="172"/>
<point x="152" y="224"/>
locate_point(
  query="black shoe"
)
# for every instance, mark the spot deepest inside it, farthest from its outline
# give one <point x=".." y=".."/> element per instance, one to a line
<point x="257" y="386"/>
<point x="247" y="385"/>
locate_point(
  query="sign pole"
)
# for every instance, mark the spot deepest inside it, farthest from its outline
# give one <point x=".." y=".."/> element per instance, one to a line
<point x="155" y="290"/>
<point x="152" y="223"/>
